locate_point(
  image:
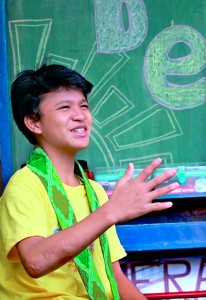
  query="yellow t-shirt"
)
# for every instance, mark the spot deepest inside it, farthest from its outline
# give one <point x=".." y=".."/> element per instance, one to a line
<point x="25" y="211"/>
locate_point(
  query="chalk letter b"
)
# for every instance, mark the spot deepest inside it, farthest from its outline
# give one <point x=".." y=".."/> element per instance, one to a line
<point x="120" y="25"/>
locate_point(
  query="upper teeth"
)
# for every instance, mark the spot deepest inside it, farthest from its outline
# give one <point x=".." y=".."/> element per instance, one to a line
<point x="79" y="129"/>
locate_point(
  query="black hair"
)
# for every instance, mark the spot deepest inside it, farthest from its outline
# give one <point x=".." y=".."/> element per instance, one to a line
<point x="30" y="85"/>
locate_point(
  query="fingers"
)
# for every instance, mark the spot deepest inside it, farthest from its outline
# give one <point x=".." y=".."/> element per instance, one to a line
<point x="156" y="181"/>
<point x="128" y="174"/>
<point x="163" y="190"/>
<point x="157" y="206"/>
<point x="148" y="170"/>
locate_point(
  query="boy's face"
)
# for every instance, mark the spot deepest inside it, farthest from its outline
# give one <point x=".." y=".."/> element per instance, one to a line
<point x="65" y="121"/>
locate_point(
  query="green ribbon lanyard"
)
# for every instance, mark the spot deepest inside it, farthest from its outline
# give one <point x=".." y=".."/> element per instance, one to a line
<point x="42" y="166"/>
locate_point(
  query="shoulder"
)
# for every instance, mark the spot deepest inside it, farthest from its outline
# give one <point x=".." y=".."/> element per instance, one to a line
<point x="24" y="174"/>
<point x="23" y="181"/>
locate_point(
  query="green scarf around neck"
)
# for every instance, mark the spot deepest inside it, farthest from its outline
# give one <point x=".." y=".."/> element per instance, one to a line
<point x="42" y="166"/>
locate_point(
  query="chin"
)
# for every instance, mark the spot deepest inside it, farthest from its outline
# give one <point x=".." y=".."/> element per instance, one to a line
<point x="82" y="146"/>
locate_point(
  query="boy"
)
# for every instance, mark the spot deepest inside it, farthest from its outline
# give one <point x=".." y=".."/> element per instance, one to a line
<point x="52" y="218"/>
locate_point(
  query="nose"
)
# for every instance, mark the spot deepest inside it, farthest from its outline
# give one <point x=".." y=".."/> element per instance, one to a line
<point x="77" y="114"/>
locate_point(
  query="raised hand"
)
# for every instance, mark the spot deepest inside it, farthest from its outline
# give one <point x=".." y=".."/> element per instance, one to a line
<point x="133" y="198"/>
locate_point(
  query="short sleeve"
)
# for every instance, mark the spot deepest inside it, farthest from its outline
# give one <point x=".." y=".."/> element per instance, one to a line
<point x="22" y="209"/>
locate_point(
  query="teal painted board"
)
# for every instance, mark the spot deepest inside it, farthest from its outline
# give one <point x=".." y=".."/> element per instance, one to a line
<point x="147" y="61"/>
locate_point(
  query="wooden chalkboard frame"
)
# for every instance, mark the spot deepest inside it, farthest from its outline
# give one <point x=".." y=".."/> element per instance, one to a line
<point x="5" y="135"/>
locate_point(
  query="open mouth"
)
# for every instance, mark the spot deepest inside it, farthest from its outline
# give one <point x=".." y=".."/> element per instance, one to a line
<point x="80" y="130"/>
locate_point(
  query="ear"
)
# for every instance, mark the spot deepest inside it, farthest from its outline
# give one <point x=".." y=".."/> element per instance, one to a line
<point x="32" y="124"/>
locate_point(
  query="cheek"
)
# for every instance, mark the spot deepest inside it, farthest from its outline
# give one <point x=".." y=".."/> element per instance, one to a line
<point x="89" y="118"/>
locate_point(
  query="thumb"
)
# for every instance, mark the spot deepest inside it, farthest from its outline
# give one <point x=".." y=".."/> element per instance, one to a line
<point x="128" y="173"/>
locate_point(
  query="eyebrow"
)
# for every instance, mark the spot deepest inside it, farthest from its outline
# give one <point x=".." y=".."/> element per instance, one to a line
<point x="70" y="101"/>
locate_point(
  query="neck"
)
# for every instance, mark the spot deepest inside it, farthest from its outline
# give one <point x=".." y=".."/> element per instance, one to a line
<point x="64" y="164"/>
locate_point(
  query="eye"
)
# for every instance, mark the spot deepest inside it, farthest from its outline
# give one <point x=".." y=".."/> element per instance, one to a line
<point x="85" y="106"/>
<point x="64" y="107"/>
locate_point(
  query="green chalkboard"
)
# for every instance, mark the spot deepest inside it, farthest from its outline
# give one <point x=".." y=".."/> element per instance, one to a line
<point x="147" y="61"/>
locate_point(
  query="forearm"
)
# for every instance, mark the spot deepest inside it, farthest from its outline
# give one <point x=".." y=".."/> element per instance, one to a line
<point x="127" y="290"/>
<point x="43" y="255"/>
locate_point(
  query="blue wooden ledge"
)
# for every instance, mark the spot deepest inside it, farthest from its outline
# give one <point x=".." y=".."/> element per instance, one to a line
<point x="163" y="236"/>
